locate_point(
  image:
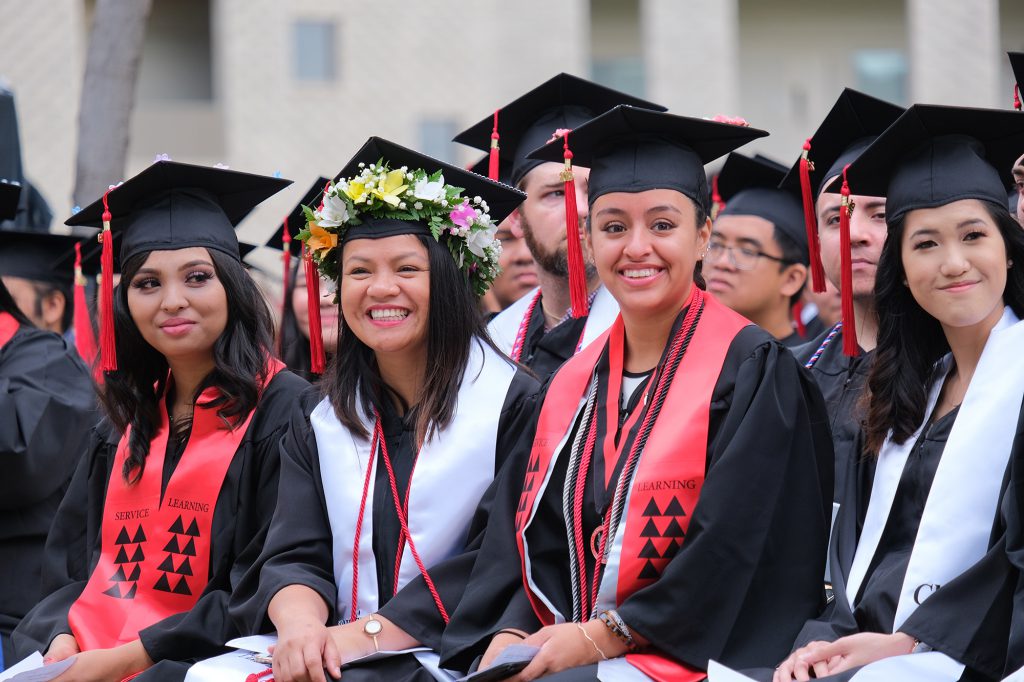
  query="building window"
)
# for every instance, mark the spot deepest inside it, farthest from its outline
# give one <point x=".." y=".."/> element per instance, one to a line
<point x="616" y="49"/>
<point x="314" y="50"/>
<point x="436" y="138"/>
<point x="882" y="73"/>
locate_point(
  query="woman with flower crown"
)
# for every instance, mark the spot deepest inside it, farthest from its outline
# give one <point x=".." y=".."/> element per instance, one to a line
<point x="383" y="470"/>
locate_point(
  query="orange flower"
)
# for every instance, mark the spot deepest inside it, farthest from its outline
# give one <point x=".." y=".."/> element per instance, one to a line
<point x="320" y="239"/>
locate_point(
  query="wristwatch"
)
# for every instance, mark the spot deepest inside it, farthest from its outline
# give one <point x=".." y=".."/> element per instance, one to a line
<point x="371" y="628"/>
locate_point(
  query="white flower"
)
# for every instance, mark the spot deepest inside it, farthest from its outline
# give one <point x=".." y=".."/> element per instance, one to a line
<point x="418" y="205"/>
<point x="478" y="240"/>
<point x="429" y="191"/>
<point x="477" y="199"/>
<point x="334" y="212"/>
<point x="401" y="204"/>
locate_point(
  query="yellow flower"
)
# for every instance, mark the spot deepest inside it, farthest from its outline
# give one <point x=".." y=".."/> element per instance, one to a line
<point x="393" y="186"/>
<point x="356" y="191"/>
<point x="320" y="239"/>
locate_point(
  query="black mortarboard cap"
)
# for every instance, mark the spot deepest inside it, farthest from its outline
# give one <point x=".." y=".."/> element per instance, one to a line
<point x="173" y="205"/>
<point x="749" y="186"/>
<point x="629" y="149"/>
<point x="501" y="199"/>
<point x="40" y="256"/>
<point x="10" y="192"/>
<point x="1017" y="66"/>
<point x="529" y="121"/>
<point x="848" y="128"/>
<point x="933" y="155"/>
<point x="296" y="220"/>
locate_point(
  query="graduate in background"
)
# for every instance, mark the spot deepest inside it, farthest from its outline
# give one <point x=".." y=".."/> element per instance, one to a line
<point x="919" y="557"/>
<point x="757" y="258"/>
<point x="1017" y="65"/>
<point x="38" y="277"/>
<point x="853" y="122"/>
<point x="383" y="470"/>
<point x="678" y="477"/>
<point x="48" y="405"/>
<point x="293" y="345"/>
<point x="172" y="498"/>
<point x="518" y="275"/>
<point x="546" y="327"/>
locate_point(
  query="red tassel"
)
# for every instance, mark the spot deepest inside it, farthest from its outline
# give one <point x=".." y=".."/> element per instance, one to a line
<point x="798" y="320"/>
<point x="577" y="270"/>
<point x="850" y="347"/>
<point x="1016" y="97"/>
<point x="316" y="340"/>
<point x="810" y="221"/>
<point x="717" y="205"/>
<point x="85" y="338"/>
<point x="108" y="347"/>
<point x="492" y="161"/>
<point x="286" y="259"/>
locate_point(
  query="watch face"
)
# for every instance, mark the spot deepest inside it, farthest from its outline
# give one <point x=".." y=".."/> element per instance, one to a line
<point x="373" y="627"/>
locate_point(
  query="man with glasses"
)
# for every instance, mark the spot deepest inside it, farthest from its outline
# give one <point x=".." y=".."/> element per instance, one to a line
<point x="756" y="262"/>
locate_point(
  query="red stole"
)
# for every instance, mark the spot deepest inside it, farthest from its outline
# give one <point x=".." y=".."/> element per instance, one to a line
<point x="657" y="515"/>
<point x="155" y="553"/>
<point x="8" y="328"/>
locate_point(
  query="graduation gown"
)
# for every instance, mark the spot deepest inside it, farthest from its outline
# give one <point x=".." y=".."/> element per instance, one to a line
<point x="47" y="406"/>
<point x="544" y="351"/>
<point x="966" y="617"/>
<point x="240" y="520"/>
<point x="842" y="380"/>
<point x="753" y="549"/>
<point x="300" y="548"/>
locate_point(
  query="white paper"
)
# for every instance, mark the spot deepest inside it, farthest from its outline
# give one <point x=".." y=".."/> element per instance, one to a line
<point x="258" y="643"/>
<point x="236" y="665"/>
<point x="722" y="673"/>
<point x="31" y="669"/>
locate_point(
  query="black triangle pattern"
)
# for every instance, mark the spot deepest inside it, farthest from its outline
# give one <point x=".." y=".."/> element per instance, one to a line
<point x="651" y="509"/>
<point x="124" y="573"/>
<point x="650" y="530"/>
<point x="649" y="572"/>
<point x="140" y="535"/>
<point x="174" y="546"/>
<point x="650" y="551"/>
<point x="674" y="508"/>
<point x="673" y="532"/>
<point x="122" y="537"/>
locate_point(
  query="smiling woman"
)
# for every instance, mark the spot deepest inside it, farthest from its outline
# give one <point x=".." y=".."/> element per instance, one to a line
<point x="175" y="490"/>
<point x="638" y="518"/>
<point x="378" y="526"/>
<point x="927" y="546"/>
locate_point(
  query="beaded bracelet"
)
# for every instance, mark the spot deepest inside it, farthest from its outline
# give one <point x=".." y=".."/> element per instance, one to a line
<point x="613" y="622"/>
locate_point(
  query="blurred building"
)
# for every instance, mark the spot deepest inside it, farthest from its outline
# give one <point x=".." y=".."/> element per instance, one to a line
<point x="295" y="86"/>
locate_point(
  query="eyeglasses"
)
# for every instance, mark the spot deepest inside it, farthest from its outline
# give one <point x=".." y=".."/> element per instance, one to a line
<point x="742" y="257"/>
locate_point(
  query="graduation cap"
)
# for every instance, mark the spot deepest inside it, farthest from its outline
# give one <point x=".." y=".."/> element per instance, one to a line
<point x="849" y="127"/>
<point x="1017" y="65"/>
<point x="629" y="149"/>
<point x="934" y="155"/>
<point x="51" y="258"/>
<point x="10" y="192"/>
<point x="295" y="221"/>
<point x="529" y="121"/>
<point x="749" y="186"/>
<point x="169" y="206"/>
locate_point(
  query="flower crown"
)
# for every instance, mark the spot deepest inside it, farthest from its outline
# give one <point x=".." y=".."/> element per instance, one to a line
<point x="412" y="195"/>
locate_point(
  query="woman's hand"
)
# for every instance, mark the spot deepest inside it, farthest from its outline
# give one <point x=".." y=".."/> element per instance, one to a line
<point x="566" y="646"/>
<point x="499" y="643"/>
<point x="103" y="665"/>
<point x="61" y="647"/>
<point x="304" y="649"/>
<point x="843" y="654"/>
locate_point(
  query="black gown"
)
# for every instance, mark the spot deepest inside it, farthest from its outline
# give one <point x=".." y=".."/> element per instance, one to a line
<point x="968" y="619"/>
<point x="767" y="491"/>
<point x="241" y="518"/>
<point x="299" y="547"/>
<point x="842" y="380"/>
<point x="545" y="351"/>
<point x="47" y="405"/>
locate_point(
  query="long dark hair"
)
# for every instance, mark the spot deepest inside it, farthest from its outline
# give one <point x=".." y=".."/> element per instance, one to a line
<point x="7" y="305"/>
<point x="910" y="341"/>
<point x="131" y="396"/>
<point x="291" y="342"/>
<point x="353" y="382"/>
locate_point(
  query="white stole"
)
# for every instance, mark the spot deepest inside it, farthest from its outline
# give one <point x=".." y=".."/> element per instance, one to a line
<point x="962" y="503"/>
<point x="505" y="326"/>
<point x="452" y="472"/>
